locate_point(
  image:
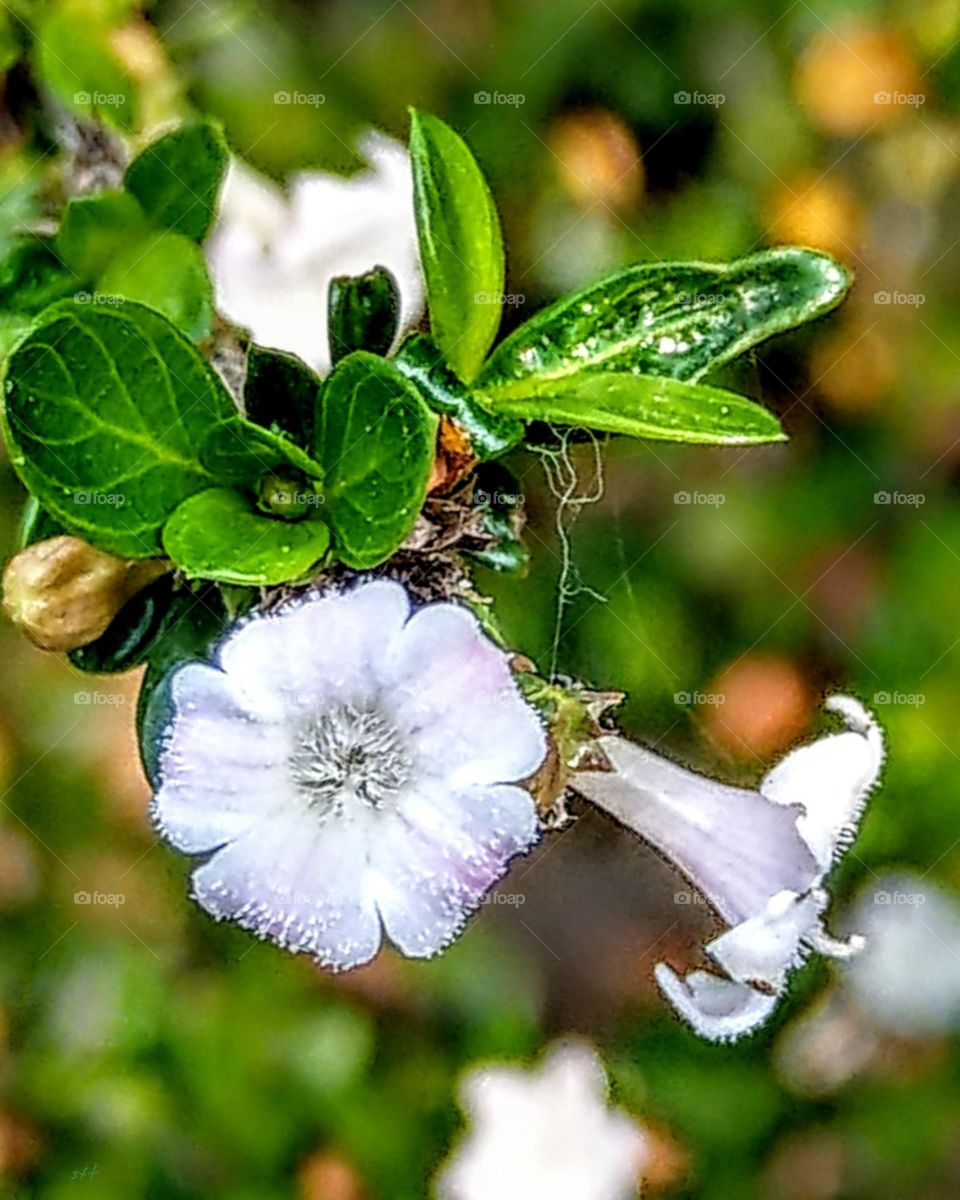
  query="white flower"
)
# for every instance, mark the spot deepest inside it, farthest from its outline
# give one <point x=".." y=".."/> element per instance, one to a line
<point x="908" y="977"/>
<point x="760" y="857"/>
<point x="545" y="1134"/>
<point x="345" y="764"/>
<point x="272" y="256"/>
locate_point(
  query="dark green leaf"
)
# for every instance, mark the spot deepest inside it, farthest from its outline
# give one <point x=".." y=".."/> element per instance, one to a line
<point x="241" y="453"/>
<point x="218" y="534"/>
<point x="677" y="320"/>
<point x="135" y="629"/>
<point x="168" y="273"/>
<point x="33" y="275"/>
<point x="195" y="623"/>
<point x="93" y="228"/>
<point x="177" y="179"/>
<point x="105" y="410"/>
<point x="461" y="247"/>
<point x="491" y="434"/>
<point x="646" y="406"/>
<point x="280" y="392"/>
<point x="362" y="313"/>
<point x="376" y="441"/>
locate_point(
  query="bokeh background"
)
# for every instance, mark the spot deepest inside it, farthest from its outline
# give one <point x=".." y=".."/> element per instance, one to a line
<point x="145" y="1051"/>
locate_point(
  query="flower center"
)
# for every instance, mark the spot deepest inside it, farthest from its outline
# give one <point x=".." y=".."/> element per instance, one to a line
<point x="348" y="752"/>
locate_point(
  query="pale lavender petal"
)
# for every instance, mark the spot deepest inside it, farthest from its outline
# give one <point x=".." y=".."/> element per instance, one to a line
<point x="434" y="861"/>
<point x="731" y="843"/>
<point x="718" y="1009"/>
<point x="763" y="949"/>
<point x="830" y="779"/>
<point x="300" y="884"/>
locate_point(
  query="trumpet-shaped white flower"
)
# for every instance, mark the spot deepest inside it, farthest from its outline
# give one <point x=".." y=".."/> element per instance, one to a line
<point x="546" y="1134"/>
<point x="272" y="255"/>
<point x="759" y="856"/>
<point x="346" y="766"/>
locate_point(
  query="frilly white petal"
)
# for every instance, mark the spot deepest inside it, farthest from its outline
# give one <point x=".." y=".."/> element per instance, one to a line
<point x="830" y="779"/>
<point x="718" y="1009"/>
<point x="764" y="948"/>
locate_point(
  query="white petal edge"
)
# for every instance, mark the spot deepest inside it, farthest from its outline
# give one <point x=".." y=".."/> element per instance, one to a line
<point x="720" y="1010"/>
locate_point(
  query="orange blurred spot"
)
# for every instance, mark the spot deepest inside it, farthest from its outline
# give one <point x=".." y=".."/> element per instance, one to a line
<point x="19" y="1144"/>
<point x="850" y="83"/>
<point x="665" y="1163"/>
<point x="598" y="159"/>
<point x="766" y="706"/>
<point x="328" y="1176"/>
<point x="815" y="210"/>
<point x="19" y="876"/>
<point x="852" y="370"/>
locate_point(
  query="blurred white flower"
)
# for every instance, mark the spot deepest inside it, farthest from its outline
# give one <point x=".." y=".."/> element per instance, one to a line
<point x="908" y="977"/>
<point x="760" y="857"/>
<point x="544" y="1134"/>
<point x="272" y="255"/>
<point x="345" y="764"/>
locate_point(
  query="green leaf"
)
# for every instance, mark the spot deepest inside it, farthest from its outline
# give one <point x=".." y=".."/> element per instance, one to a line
<point x="33" y="275"/>
<point x="491" y="434"/>
<point x="281" y="393"/>
<point x="376" y="441"/>
<point x="36" y="525"/>
<point x="363" y="313"/>
<point x="676" y="320"/>
<point x="76" y="59"/>
<point x="177" y="178"/>
<point x="241" y="453"/>
<point x="94" y="227"/>
<point x="194" y="623"/>
<point x="105" y="411"/>
<point x="135" y="629"/>
<point x="647" y="406"/>
<point x="461" y="247"/>
<point x="166" y="272"/>
<point x="217" y="534"/>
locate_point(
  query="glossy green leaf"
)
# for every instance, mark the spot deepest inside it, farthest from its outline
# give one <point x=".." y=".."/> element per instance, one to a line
<point x="461" y="246"/>
<point x="105" y="410"/>
<point x="491" y="434"/>
<point x="36" y="525"/>
<point x="34" y="275"/>
<point x="647" y="406"/>
<point x="93" y="228"/>
<point x="376" y="441"/>
<point x="168" y="273"/>
<point x="194" y="624"/>
<point x="363" y="313"/>
<point x="76" y="59"/>
<point x="218" y="534"/>
<point x="177" y="179"/>
<point x="240" y="452"/>
<point x="676" y="320"/>
<point x="281" y="392"/>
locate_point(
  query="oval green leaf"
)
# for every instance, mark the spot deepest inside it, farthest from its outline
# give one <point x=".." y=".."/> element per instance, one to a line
<point x="362" y="313"/>
<point x="177" y="178"/>
<point x="218" y="535"/>
<point x="676" y="320"/>
<point x="645" y="406"/>
<point x="461" y="246"/>
<point x="376" y="440"/>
